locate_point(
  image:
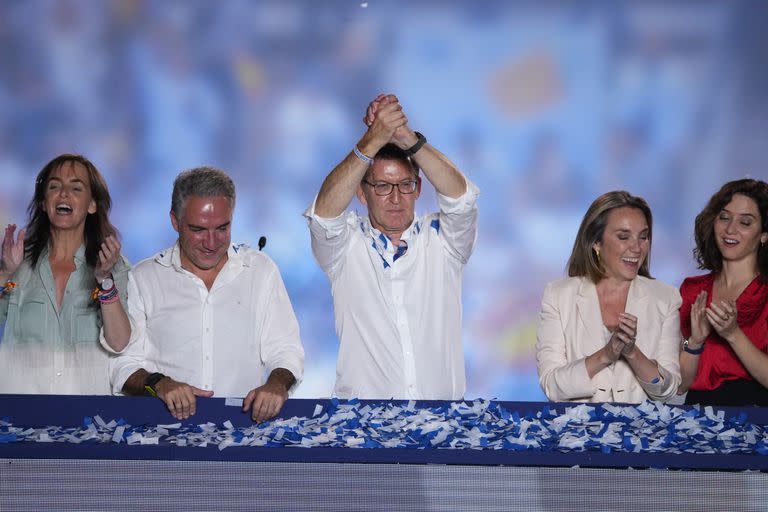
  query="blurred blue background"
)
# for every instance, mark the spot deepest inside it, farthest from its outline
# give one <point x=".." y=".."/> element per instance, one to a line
<point x="545" y="105"/>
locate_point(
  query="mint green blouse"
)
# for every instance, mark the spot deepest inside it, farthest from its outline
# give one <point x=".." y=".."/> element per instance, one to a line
<point x="50" y="350"/>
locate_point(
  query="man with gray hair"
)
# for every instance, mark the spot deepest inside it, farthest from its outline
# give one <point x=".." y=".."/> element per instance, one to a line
<point x="208" y="316"/>
<point x="395" y="278"/>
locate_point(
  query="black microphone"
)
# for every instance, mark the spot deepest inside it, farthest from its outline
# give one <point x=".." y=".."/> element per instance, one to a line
<point x="262" y="242"/>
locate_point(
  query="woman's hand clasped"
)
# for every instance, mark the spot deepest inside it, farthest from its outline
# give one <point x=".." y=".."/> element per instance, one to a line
<point x="622" y="341"/>
<point x="722" y="318"/>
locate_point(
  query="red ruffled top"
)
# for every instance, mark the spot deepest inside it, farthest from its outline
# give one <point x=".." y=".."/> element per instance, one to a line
<point x="718" y="363"/>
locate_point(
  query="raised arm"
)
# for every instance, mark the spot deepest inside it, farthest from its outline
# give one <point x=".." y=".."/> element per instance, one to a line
<point x="438" y="169"/>
<point x="11" y="256"/>
<point x="700" y="330"/>
<point x="340" y="185"/>
<point x="11" y="253"/>
<point x="117" y="328"/>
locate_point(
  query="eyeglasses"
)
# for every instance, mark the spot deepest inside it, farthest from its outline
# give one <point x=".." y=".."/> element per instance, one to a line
<point x="383" y="188"/>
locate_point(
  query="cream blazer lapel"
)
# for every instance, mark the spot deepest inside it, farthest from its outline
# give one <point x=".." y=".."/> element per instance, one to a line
<point x="637" y="304"/>
<point x="588" y="308"/>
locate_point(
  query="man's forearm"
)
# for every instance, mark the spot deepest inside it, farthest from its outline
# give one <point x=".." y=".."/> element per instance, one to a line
<point x="282" y="377"/>
<point x="440" y="171"/>
<point x="339" y="187"/>
<point x="134" y="385"/>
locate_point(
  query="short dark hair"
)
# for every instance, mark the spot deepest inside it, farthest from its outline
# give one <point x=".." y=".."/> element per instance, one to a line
<point x="390" y="151"/>
<point x="200" y="182"/>
<point x="583" y="261"/>
<point x="97" y="225"/>
<point x="707" y="254"/>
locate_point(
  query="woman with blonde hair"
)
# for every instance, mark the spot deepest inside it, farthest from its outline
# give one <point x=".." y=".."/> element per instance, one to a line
<point x="609" y="332"/>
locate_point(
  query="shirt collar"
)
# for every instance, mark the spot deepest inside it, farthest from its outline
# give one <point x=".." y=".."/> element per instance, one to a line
<point x="368" y="230"/>
<point x="383" y="245"/>
<point x="171" y="257"/>
<point x="80" y="255"/>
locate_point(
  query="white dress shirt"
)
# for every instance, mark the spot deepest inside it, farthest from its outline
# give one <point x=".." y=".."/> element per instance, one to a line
<point x="226" y="340"/>
<point x="398" y="319"/>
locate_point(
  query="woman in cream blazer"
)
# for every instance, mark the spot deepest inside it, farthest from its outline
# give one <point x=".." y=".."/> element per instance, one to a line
<point x="610" y="333"/>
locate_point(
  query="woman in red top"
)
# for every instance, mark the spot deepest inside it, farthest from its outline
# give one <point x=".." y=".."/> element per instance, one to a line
<point x="724" y="316"/>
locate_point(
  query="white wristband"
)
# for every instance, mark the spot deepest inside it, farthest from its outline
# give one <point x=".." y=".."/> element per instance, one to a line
<point x="368" y="160"/>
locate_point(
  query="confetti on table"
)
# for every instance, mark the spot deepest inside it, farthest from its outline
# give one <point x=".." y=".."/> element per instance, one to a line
<point x="650" y="427"/>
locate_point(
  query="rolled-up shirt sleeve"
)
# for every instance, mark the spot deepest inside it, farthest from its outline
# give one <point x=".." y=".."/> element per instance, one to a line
<point x="458" y="221"/>
<point x="560" y="379"/>
<point x="280" y="342"/>
<point x="329" y="237"/>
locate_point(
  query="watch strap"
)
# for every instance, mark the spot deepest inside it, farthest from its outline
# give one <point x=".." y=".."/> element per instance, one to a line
<point x="420" y="142"/>
<point x="151" y="381"/>
<point x="693" y="351"/>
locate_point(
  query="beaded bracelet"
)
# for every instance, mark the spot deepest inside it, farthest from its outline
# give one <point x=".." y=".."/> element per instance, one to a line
<point x="109" y="296"/>
<point x="106" y="296"/>
<point x="7" y="288"/>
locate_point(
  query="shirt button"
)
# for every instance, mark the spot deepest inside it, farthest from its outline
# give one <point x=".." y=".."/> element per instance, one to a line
<point x="58" y="374"/>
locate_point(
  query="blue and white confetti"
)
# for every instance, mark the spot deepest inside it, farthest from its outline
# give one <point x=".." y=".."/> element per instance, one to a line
<point x="650" y="427"/>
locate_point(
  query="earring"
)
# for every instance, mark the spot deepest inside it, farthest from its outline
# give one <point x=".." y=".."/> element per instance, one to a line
<point x="597" y="253"/>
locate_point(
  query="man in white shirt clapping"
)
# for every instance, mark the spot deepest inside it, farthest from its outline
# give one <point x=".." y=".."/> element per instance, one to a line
<point x="209" y="317"/>
<point x="395" y="278"/>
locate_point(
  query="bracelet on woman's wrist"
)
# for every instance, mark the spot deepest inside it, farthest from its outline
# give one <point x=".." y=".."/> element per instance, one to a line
<point x="106" y="296"/>
<point x="7" y="287"/>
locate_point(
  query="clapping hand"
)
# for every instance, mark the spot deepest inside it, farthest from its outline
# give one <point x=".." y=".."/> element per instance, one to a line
<point x="700" y="326"/>
<point x="627" y="332"/>
<point x="722" y="318"/>
<point x="12" y="252"/>
<point x="403" y="136"/>
<point x="109" y="253"/>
